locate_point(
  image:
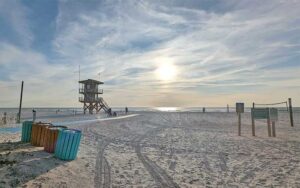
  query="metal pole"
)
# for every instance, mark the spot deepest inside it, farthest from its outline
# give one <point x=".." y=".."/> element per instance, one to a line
<point x="253" y="121"/>
<point x="291" y="112"/>
<point x="20" y="106"/>
<point x="79" y="73"/>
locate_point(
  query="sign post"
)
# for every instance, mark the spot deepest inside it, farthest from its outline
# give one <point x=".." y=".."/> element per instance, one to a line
<point x="269" y="124"/>
<point x="273" y="129"/>
<point x="271" y="114"/>
<point x="240" y="108"/>
<point x="273" y="118"/>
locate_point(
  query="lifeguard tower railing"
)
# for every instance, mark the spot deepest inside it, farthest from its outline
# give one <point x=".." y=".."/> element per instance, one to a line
<point x="93" y="90"/>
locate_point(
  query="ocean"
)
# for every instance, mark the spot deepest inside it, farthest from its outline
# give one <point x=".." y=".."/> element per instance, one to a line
<point x="65" y="115"/>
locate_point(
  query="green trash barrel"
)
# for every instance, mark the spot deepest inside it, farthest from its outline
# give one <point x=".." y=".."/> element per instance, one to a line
<point x="67" y="144"/>
<point x="26" y="131"/>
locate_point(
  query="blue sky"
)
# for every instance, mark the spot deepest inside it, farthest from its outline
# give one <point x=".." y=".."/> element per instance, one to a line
<point x="214" y="52"/>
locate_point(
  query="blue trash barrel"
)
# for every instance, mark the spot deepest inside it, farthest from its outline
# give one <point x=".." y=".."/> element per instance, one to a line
<point x="26" y="131"/>
<point x="67" y="144"/>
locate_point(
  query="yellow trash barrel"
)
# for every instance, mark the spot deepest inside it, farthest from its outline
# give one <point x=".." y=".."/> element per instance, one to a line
<point x="38" y="133"/>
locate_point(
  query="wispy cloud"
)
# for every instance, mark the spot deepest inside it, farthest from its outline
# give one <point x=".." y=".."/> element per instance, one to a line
<point x="14" y="19"/>
<point x="235" y="50"/>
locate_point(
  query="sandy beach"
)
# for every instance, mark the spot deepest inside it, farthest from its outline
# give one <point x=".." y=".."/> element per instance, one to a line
<point x="162" y="149"/>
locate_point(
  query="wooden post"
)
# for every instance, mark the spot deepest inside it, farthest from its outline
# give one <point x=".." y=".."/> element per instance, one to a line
<point x="273" y="129"/>
<point x="253" y="121"/>
<point x="240" y="122"/>
<point x="291" y="112"/>
<point x="269" y="128"/>
<point x="269" y="124"/>
<point x="20" y="106"/>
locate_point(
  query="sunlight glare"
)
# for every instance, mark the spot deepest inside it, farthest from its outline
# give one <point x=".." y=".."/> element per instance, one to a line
<point x="166" y="71"/>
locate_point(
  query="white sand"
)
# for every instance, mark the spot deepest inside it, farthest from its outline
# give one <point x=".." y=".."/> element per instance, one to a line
<point x="163" y="150"/>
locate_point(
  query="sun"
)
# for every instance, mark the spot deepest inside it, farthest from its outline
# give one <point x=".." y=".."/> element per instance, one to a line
<point x="166" y="71"/>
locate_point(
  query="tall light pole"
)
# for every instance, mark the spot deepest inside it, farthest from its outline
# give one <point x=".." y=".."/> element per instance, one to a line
<point x="20" y="106"/>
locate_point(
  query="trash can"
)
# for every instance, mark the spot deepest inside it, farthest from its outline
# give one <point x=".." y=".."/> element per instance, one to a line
<point x="51" y="134"/>
<point x="38" y="133"/>
<point x="67" y="144"/>
<point x="26" y="131"/>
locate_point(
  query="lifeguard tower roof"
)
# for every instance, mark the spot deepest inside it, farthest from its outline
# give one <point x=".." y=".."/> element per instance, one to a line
<point x="90" y="81"/>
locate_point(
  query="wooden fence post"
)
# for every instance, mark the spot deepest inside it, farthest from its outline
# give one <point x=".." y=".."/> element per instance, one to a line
<point x="291" y="112"/>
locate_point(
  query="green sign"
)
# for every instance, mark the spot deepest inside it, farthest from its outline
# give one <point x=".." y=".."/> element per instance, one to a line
<point x="273" y="114"/>
<point x="265" y="113"/>
<point x="260" y="113"/>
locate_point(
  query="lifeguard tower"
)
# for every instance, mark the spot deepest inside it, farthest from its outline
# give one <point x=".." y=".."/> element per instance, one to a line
<point x="89" y="91"/>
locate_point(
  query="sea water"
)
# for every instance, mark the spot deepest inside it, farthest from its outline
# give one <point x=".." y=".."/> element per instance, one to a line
<point x="71" y="116"/>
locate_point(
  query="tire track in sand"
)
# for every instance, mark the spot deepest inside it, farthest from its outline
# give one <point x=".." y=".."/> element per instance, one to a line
<point x="102" y="170"/>
<point x="161" y="178"/>
<point x="102" y="176"/>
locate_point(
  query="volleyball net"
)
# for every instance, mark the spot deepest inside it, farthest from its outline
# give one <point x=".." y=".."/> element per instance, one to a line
<point x="281" y="106"/>
<point x="284" y="106"/>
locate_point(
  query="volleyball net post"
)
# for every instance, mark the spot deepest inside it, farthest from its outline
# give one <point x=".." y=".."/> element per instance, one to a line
<point x="253" y="120"/>
<point x="291" y="112"/>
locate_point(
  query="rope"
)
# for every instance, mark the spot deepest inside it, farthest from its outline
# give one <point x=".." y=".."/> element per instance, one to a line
<point x="271" y="104"/>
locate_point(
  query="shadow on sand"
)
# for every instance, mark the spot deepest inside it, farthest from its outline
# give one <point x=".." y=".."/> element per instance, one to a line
<point x="21" y="162"/>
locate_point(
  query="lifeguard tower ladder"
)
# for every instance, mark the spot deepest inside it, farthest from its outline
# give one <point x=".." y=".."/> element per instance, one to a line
<point x="89" y="91"/>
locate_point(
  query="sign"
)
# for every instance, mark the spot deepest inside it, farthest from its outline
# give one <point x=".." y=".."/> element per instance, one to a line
<point x="273" y="114"/>
<point x="260" y="113"/>
<point x="265" y="113"/>
<point x="240" y="107"/>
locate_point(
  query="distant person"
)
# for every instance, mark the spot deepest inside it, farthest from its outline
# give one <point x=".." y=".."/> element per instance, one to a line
<point x="109" y="112"/>
<point x="115" y="114"/>
<point x="4" y="118"/>
<point x="33" y="115"/>
<point x="203" y="110"/>
<point x="126" y="110"/>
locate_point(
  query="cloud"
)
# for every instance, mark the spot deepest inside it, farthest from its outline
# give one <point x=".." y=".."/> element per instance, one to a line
<point x="221" y="48"/>
<point x="45" y="84"/>
<point x="231" y="46"/>
<point x="14" y="16"/>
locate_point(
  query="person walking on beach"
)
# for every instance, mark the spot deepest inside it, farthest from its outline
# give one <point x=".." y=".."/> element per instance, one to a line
<point x="126" y="110"/>
<point x="4" y="118"/>
<point x="33" y="115"/>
